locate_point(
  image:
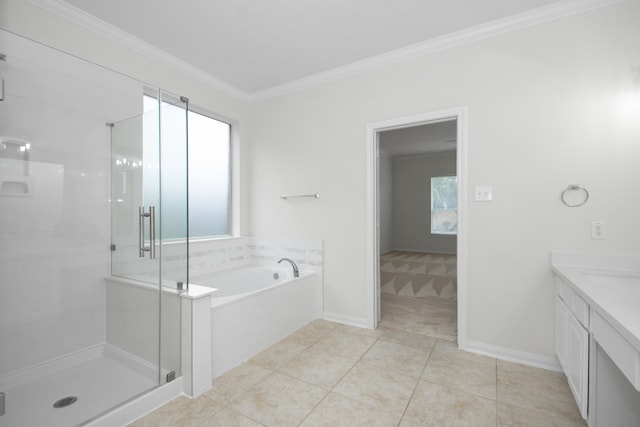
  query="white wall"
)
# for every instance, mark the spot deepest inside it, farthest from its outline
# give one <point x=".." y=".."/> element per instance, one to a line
<point x="386" y="202"/>
<point x="412" y="202"/>
<point x="543" y="113"/>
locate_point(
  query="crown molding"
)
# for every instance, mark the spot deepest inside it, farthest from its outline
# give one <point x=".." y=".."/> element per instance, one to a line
<point x="536" y="16"/>
<point x="469" y="35"/>
<point x="90" y="22"/>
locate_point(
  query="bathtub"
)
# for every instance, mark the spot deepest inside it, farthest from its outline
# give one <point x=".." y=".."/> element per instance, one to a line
<point x="255" y="307"/>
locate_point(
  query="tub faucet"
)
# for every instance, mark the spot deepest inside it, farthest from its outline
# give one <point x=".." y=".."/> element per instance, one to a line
<point x="296" y="273"/>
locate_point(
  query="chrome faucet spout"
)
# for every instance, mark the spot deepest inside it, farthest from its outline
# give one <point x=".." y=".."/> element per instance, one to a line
<point x="296" y="273"/>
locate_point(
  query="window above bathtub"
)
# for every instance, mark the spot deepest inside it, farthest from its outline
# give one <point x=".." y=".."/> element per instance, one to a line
<point x="209" y="160"/>
<point x="209" y="176"/>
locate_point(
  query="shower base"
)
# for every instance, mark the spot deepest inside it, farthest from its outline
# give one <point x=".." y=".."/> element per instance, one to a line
<point x="99" y="378"/>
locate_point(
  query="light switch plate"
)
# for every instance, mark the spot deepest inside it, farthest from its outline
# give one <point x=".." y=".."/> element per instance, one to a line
<point x="483" y="194"/>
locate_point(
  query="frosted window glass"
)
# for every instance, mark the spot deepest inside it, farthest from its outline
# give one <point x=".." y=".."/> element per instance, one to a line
<point x="173" y="171"/>
<point x="150" y="158"/>
<point x="209" y="171"/>
<point x="209" y="176"/>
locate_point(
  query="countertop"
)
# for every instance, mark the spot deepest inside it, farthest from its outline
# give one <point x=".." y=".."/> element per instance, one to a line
<point x="609" y="283"/>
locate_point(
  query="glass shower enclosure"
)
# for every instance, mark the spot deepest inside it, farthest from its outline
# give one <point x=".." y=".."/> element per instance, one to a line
<point x="86" y="156"/>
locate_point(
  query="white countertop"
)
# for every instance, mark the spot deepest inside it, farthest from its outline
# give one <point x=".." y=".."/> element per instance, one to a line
<point x="609" y="283"/>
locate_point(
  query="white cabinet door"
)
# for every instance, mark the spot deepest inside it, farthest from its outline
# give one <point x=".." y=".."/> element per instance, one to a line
<point x="562" y="314"/>
<point x="577" y="362"/>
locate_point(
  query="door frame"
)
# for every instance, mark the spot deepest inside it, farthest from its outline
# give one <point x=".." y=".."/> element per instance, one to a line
<point x="373" y="210"/>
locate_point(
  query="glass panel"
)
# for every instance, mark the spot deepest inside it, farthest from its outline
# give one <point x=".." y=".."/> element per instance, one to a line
<point x="173" y="224"/>
<point x="149" y="155"/>
<point x="134" y="311"/>
<point x="134" y="184"/>
<point x="173" y="139"/>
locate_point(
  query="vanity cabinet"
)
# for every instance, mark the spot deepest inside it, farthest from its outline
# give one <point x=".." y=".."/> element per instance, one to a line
<point x="598" y="334"/>
<point x="572" y="342"/>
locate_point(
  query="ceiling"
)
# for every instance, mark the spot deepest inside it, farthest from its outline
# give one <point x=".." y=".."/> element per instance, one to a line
<point x="258" y="45"/>
<point x="434" y="137"/>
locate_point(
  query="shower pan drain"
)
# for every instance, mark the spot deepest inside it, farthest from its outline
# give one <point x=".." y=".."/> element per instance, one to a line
<point x="65" y="401"/>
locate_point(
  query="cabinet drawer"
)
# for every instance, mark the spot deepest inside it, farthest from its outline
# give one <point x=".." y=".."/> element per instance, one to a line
<point x="581" y="310"/>
<point x="577" y="306"/>
<point x="625" y="356"/>
<point x="563" y="291"/>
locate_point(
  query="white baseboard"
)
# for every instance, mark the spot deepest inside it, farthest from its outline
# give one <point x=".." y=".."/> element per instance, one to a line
<point x="359" y="322"/>
<point x="531" y="359"/>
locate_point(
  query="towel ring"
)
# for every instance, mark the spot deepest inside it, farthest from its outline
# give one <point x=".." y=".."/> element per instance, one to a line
<point x="574" y="187"/>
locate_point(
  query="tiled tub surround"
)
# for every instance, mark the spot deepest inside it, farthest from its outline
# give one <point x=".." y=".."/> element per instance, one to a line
<point x="209" y="256"/>
<point x="328" y="374"/>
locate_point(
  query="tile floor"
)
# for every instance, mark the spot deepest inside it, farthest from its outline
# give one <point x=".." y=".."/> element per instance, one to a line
<point x="327" y="374"/>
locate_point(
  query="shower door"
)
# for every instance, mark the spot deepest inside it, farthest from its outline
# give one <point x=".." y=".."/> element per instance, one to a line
<point x="149" y="230"/>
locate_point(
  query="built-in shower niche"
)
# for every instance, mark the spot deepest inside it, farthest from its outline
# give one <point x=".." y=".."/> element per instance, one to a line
<point x="15" y="168"/>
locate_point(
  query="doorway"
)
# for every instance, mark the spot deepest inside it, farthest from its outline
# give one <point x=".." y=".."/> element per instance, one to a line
<point x="416" y="246"/>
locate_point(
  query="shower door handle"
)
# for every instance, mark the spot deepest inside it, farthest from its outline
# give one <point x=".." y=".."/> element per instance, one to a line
<point x="3" y="57"/>
<point x="152" y="231"/>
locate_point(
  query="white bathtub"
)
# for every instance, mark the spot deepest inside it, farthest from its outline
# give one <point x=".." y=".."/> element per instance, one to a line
<point x="252" y="310"/>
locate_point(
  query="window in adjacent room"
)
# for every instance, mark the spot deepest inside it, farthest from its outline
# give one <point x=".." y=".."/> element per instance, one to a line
<point x="444" y="205"/>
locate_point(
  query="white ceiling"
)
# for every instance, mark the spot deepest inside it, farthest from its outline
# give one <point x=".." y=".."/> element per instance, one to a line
<point x="434" y="137"/>
<point x="256" y="45"/>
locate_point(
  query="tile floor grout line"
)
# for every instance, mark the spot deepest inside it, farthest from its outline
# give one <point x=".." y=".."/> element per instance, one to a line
<point x="418" y="382"/>
<point x="224" y="406"/>
<point x="247" y="416"/>
<point x="351" y="368"/>
<point x="331" y="390"/>
<point x="314" y="407"/>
